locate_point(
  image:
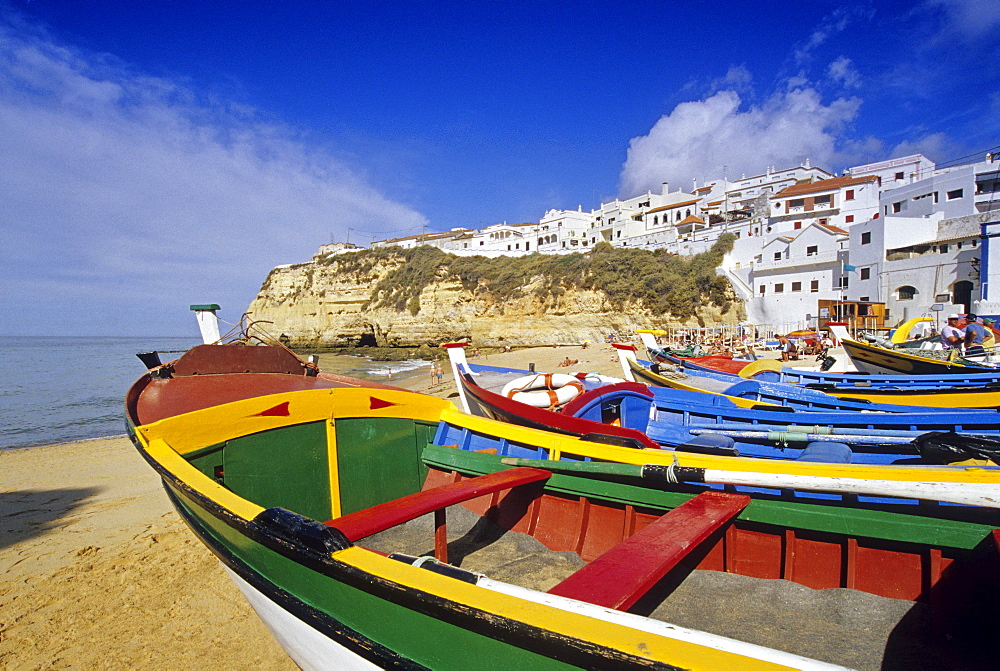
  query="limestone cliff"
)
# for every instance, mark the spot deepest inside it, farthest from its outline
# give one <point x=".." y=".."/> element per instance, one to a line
<point x="392" y="299"/>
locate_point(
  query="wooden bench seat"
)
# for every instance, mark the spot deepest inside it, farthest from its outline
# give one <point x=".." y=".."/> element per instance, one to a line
<point x="364" y="523"/>
<point x="623" y="574"/>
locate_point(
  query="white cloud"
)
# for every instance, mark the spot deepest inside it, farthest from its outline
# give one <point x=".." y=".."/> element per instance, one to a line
<point x="706" y="138"/>
<point x="933" y="146"/>
<point x="127" y="189"/>
<point x="842" y="71"/>
<point x="968" y="18"/>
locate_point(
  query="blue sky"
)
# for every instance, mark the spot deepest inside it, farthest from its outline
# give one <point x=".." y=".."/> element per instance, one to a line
<point x="158" y="154"/>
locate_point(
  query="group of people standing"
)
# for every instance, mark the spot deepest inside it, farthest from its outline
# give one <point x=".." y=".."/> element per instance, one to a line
<point x="973" y="336"/>
<point x="437" y="374"/>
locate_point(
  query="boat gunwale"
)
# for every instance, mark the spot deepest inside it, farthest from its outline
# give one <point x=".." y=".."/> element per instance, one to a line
<point x="452" y="609"/>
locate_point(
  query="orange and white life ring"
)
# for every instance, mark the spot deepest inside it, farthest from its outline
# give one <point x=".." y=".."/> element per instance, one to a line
<point x="544" y="390"/>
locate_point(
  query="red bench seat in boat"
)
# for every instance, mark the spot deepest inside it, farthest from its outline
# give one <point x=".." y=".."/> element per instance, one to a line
<point x="623" y="574"/>
<point x="363" y="523"/>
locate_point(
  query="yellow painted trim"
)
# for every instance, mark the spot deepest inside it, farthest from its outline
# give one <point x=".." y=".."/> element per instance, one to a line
<point x="194" y="430"/>
<point x="938" y="399"/>
<point x="653" y="331"/>
<point x="760" y="365"/>
<point x="334" y="466"/>
<point x="856" y="348"/>
<point x="548" y="618"/>
<point x="676" y="384"/>
<point x="558" y="444"/>
<point x="902" y="333"/>
<point x="182" y="469"/>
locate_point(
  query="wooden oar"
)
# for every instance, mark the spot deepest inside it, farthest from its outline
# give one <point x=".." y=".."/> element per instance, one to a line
<point x="806" y="428"/>
<point x="969" y="493"/>
<point x="785" y="437"/>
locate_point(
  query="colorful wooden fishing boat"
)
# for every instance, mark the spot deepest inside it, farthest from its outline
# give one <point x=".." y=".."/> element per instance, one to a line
<point x="817" y="397"/>
<point x="287" y="487"/>
<point x="710" y="423"/>
<point x="964" y="376"/>
<point x="878" y="360"/>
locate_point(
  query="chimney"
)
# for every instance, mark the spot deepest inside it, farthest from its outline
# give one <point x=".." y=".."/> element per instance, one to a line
<point x="666" y="189"/>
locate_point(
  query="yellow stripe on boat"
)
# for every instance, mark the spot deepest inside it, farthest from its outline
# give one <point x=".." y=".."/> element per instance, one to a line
<point x="939" y="399"/>
<point x="737" y="401"/>
<point x="574" y="625"/>
<point x="560" y="444"/>
<point x="180" y="468"/>
<point x="198" y="429"/>
<point x="334" y="468"/>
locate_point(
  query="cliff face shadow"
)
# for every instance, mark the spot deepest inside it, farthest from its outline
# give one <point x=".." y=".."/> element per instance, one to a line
<point x="28" y="513"/>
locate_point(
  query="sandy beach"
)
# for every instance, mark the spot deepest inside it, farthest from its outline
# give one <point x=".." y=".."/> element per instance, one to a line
<point x="99" y="572"/>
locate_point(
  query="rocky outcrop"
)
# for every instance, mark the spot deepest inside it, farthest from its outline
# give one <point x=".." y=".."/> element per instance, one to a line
<point x="326" y="303"/>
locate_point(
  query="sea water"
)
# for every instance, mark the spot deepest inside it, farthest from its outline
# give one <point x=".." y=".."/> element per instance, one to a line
<point x="62" y="389"/>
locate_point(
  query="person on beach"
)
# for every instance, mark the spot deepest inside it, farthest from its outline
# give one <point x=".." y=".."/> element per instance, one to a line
<point x="952" y="336"/>
<point x="440" y="373"/>
<point x="975" y="334"/>
<point x="433" y="373"/>
<point x="990" y="341"/>
<point x="787" y="348"/>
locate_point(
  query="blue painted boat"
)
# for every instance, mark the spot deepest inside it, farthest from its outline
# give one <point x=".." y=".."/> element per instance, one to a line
<point x="636" y="415"/>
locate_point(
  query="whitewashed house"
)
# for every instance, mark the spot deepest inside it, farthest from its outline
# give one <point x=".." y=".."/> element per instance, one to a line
<point x="896" y="172"/>
<point x="561" y="231"/>
<point x="840" y="202"/>
<point x="442" y="241"/>
<point x="793" y="272"/>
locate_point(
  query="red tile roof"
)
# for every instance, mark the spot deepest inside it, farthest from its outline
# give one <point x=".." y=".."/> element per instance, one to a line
<point x="670" y="207"/>
<point x="823" y="185"/>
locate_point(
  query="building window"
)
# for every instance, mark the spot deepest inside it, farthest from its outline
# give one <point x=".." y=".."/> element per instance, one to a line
<point x="823" y="222"/>
<point x="796" y="286"/>
<point x="798" y="225"/>
<point x="778" y="288"/>
<point x="864" y="298"/>
<point x="777" y="256"/>
<point x="849" y="219"/>
<point x="866" y="238"/>
<point x="897" y="207"/>
<point x="866" y="274"/>
<point x="798" y="202"/>
<point x="812" y="250"/>
<point x="762" y="289"/>
<point x="899" y="176"/>
<point x="822" y="201"/>
<point x="956" y="194"/>
<point x="906" y="293"/>
<point x="943" y="249"/>
<point x="814" y="286"/>
<point x="849" y="194"/>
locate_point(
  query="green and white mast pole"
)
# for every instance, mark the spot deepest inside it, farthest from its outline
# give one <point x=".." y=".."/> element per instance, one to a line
<point x="208" y="323"/>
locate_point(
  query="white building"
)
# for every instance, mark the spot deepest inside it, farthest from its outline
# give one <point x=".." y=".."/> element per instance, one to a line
<point x="440" y="240"/>
<point x="561" y="231"/>
<point x="792" y="273"/>
<point x="912" y="264"/>
<point x="839" y="201"/>
<point x="896" y="172"/>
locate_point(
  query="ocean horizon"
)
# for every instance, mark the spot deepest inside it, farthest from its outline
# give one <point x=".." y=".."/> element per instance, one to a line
<point x="60" y="389"/>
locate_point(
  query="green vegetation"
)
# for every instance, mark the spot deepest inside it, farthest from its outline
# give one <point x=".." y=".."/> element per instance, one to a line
<point x="662" y="282"/>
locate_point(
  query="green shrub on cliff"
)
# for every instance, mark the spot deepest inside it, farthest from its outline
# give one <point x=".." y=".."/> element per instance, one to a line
<point x="664" y="283"/>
